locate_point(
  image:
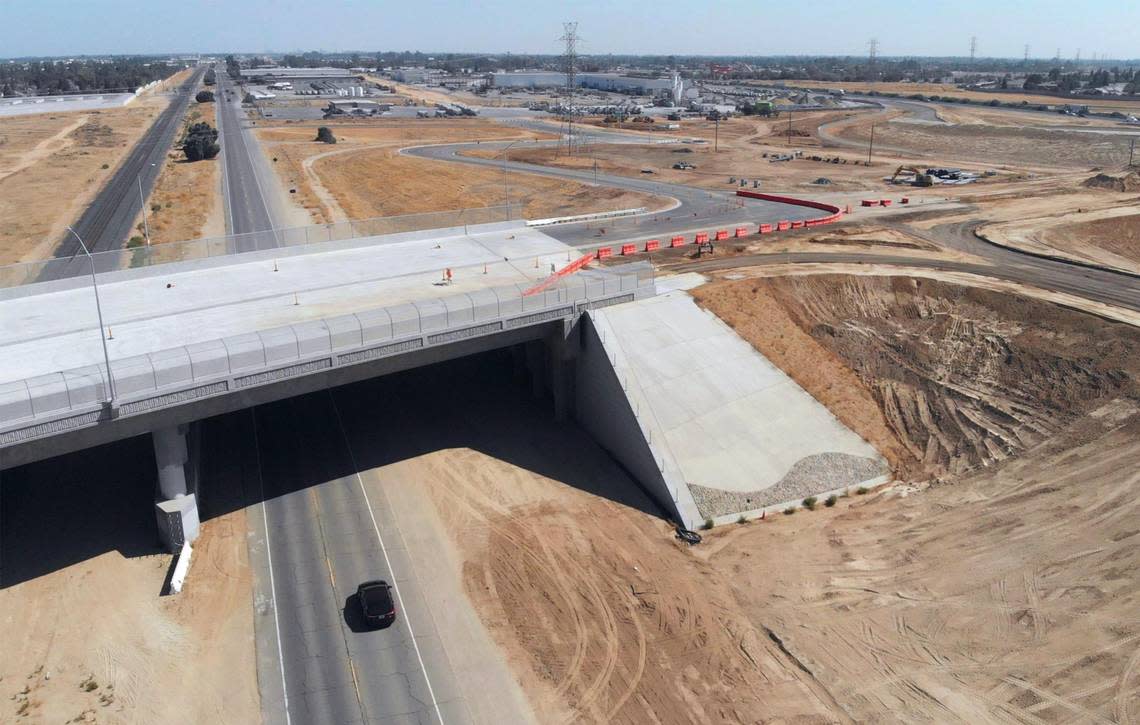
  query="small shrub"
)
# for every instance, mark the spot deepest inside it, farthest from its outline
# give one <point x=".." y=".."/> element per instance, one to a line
<point x="831" y="500"/>
<point x="169" y="204"/>
<point x="105" y="166"/>
<point x="135" y="241"/>
<point x="708" y="524"/>
<point x="742" y="520"/>
<point x="809" y="503"/>
<point x="325" y="134"/>
<point x="156" y="207"/>
<point x="862" y="490"/>
<point x="789" y="510"/>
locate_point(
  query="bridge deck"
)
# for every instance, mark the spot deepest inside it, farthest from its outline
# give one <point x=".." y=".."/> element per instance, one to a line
<point x="181" y="304"/>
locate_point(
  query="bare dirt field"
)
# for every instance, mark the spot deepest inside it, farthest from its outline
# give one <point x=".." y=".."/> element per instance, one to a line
<point x="1003" y="593"/>
<point x="186" y="201"/>
<point x="1105" y="104"/>
<point x="744" y="147"/>
<point x="364" y="176"/>
<point x="52" y="165"/>
<point x="1018" y="144"/>
<point x="87" y="638"/>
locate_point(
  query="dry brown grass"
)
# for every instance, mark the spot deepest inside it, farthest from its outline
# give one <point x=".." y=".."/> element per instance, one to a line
<point x="186" y="198"/>
<point x="363" y="175"/>
<point x="55" y="172"/>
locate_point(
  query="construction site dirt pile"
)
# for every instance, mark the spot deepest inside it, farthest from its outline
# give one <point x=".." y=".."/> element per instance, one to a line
<point x="1109" y="182"/>
<point x="941" y="378"/>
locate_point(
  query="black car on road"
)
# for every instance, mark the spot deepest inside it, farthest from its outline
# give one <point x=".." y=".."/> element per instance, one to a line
<point x="376" y="603"/>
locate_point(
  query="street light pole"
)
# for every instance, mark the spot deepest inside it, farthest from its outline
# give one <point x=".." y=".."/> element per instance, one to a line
<point x="506" y="198"/>
<point x="99" y="312"/>
<point x="871" y="145"/>
<point x="142" y="203"/>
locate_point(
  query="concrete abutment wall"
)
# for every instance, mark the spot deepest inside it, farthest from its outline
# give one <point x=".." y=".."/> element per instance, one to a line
<point x="603" y="408"/>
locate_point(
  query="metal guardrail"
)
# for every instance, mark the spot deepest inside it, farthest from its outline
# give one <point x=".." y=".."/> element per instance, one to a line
<point x="16" y="275"/>
<point x="57" y="402"/>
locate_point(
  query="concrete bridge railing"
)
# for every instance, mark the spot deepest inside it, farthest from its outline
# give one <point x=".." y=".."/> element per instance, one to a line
<point x="54" y="404"/>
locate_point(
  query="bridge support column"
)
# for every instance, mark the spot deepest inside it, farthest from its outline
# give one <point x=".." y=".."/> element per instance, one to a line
<point x="176" y="509"/>
<point x="562" y="353"/>
<point x="536" y="369"/>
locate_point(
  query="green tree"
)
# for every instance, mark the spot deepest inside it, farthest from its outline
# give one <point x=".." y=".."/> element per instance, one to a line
<point x="204" y="97"/>
<point x="325" y="134"/>
<point x="200" y="142"/>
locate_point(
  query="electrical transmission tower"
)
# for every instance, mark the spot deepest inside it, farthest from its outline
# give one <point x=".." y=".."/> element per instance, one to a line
<point x="872" y="54"/>
<point x="570" y="64"/>
<point x="973" y="48"/>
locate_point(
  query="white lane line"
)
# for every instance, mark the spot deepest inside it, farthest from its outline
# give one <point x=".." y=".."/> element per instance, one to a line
<point x="269" y="555"/>
<point x="225" y="169"/>
<point x="384" y="550"/>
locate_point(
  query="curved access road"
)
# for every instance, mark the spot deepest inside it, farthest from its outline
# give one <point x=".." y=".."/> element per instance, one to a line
<point x="694" y="208"/>
<point x="1099" y="285"/>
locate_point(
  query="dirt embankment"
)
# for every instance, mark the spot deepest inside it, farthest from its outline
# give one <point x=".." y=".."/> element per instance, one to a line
<point x="942" y="379"/>
<point x="86" y="636"/>
<point x="1005" y="595"/>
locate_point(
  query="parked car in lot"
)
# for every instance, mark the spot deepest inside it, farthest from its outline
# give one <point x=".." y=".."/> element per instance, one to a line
<point x="376" y="603"/>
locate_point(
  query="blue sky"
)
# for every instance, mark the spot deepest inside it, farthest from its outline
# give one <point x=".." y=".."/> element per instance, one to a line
<point x="755" y="27"/>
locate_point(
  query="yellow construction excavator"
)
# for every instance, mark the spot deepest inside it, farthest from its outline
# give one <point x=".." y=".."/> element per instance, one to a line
<point x="920" y="178"/>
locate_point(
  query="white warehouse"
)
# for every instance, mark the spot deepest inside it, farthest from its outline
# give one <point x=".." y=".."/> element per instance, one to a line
<point x="671" y="86"/>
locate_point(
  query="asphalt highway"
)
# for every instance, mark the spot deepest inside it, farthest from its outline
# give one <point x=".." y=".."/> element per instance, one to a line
<point x="325" y="535"/>
<point x="316" y="533"/>
<point x="246" y="209"/>
<point x="107" y="222"/>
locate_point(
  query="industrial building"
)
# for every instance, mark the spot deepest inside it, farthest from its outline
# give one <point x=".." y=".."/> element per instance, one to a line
<point x="356" y="107"/>
<point x="277" y="74"/>
<point x="671" y="86"/>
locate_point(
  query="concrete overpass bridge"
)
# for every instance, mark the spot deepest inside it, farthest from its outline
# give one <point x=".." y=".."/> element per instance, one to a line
<point x="190" y="340"/>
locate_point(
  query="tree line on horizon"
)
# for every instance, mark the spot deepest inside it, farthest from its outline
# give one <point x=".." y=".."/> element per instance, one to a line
<point x="83" y="75"/>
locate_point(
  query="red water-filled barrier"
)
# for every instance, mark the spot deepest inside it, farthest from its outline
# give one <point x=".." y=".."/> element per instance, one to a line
<point x="740" y="232"/>
<point x="870" y="202"/>
<point x="721" y="235"/>
<point x="783" y="226"/>
<point x="835" y="212"/>
<point x="701" y="238"/>
<point x="676" y="241"/>
<point x="627" y="249"/>
<point x="884" y="202"/>
<point x="604" y="252"/>
<point x="653" y="245"/>
<point x="764" y="229"/>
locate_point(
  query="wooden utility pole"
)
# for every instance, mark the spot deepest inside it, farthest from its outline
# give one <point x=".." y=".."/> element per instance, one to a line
<point x="1131" y="151"/>
<point x="789" y="128"/>
<point x="871" y="145"/>
<point x="716" y="131"/>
